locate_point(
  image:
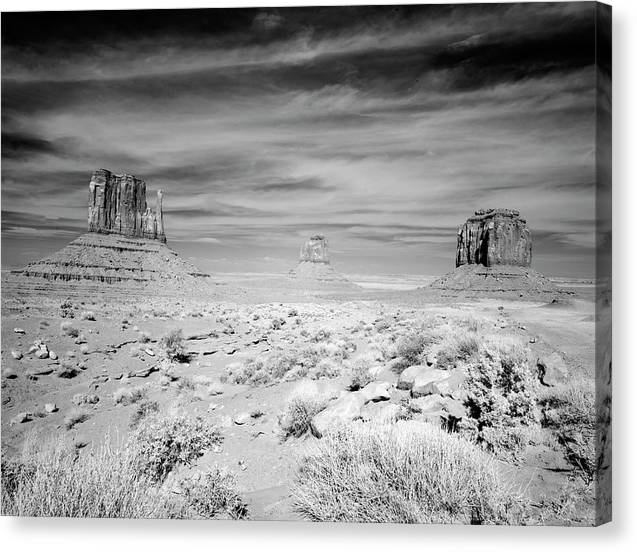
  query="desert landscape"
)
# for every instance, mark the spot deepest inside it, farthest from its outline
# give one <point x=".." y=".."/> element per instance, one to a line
<point x="470" y="399"/>
<point x="346" y="264"/>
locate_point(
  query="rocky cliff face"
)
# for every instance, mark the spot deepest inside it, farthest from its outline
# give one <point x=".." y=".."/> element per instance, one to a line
<point x="315" y="250"/>
<point x="117" y="205"/>
<point x="494" y="237"/>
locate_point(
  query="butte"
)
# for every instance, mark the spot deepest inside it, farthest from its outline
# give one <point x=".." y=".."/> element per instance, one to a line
<point x="493" y="256"/>
<point x="125" y="246"/>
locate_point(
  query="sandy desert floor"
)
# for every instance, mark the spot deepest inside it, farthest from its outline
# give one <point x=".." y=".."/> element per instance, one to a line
<point x="99" y="342"/>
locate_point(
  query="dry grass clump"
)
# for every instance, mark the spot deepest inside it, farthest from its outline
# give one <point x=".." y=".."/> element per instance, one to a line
<point x="172" y="346"/>
<point x="144" y="408"/>
<point x="362" y="372"/>
<point x="305" y="402"/>
<point x="288" y="365"/>
<point x="74" y="417"/>
<point x="403" y="473"/>
<point x="129" y="395"/>
<point x="457" y="348"/>
<point x="49" y="479"/>
<point x="211" y="495"/>
<point x="502" y="396"/>
<point x="70" y="330"/>
<point x="164" y="442"/>
<point x="570" y="410"/>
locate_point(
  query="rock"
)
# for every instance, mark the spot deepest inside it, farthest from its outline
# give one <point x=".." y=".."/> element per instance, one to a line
<point x="32" y="349"/>
<point x="376" y="391"/>
<point x="19" y="330"/>
<point x="20" y="418"/>
<point x="382" y="412"/>
<point x="50" y="408"/>
<point x="345" y="409"/>
<point x="430" y="359"/>
<point x="67" y="372"/>
<point x="408" y="376"/>
<point x="429" y="403"/>
<point x="42" y="370"/>
<point x="494" y="237"/>
<point x="450" y="385"/>
<point x="42" y="353"/>
<point x="242" y="418"/>
<point x="314" y="263"/>
<point x="9" y="372"/>
<point x="424" y="380"/>
<point x="117" y="205"/>
<point x="143" y="372"/>
<point x="149" y="352"/>
<point x="52" y="355"/>
<point x="552" y="370"/>
<point x="16" y="354"/>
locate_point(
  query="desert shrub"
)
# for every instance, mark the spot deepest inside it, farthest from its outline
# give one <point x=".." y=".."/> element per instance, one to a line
<point x="457" y="347"/>
<point x="570" y="411"/>
<point x="88" y="315"/>
<point x="80" y="399"/>
<point x="74" y="417"/>
<point x="172" y="346"/>
<point x="322" y="334"/>
<point x="406" y="472"/>
<point x="502" y="396"/>
<point x="164" y="442"/>
<point x="326" y="368"/>
<point x="210" y="494"/>
<point x="411" y="347"/>
<point x="129" y="395"/>
<point x="362" y="372"/>
<point x="302" y="405"/>
<point x="50" y="479"/>
<point x="186" y="383"/>
<point x="144" y="408"/>
<point x="70" y="330"/>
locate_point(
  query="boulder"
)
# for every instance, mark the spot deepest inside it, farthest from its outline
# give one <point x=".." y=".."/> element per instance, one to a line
<point x="408" y="376"/>
<point x="552" y="370"/>
<point x="424" y="380"/>
<point x="381" y="412"/>
<point x="50" y="408"/>
<point x="376" y="391"/>
<point x="450" y="385"/>
<point x="16" y="354"/>
<point x="20" y="418"/>
<point x="344" y="409"/>
<point x="242" y="418"/>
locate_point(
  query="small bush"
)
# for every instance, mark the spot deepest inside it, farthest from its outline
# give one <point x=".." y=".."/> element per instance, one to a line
<point x="502" y="395"/>
<point x="457" y="347"/>
<point x="411" y="347"/>
<point x="70" y="330"/>
<point x="362" y="372"/>
<point x="129" y="395"/>
<point x="212" y="493"/>
<point x="406" y="472"/>
<point x="144" y="408"/>
<point x="302" y="405"/>
<point x="172" y="346"/>
<point x="74" y="417"/>
<point x="164" y="442"/>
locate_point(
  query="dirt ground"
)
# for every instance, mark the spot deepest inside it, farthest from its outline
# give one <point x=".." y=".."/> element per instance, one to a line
<point x="236" y="324"/>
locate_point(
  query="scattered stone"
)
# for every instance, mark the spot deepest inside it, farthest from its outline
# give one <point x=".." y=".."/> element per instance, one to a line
<point x="450" y="385"/>
<point x="408" y="376"/>
<point x="20" y="418"/>
<point x="552" y="370"/>
<point x="42" y="371"/>
<point x="376" y="391"/>
<point x="16" y="354"/>
<point x="342" y="410"/>
<point x="50" y="408"/>
<point x="431" y="359"/>
<point x="53" y="355"/>
<point x="149" y="352"/>
<point x="242" y="418"/>
<point x="143" y="372"/>
<point x="32" y="349"/>
<point x="42" y="353"/>
<point x="422" y="383"/>
<point x="19" y="330"/>
<point x="9" y="372"/>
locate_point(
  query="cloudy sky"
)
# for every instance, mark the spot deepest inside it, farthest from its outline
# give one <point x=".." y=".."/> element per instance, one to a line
<point x="383" y="128"/>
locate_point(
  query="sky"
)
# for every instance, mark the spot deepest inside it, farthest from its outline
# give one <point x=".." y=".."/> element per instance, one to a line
<point x="383" y="128"/>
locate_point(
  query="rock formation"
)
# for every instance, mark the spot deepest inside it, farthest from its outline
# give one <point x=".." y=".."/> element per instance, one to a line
<point x="493" y="255"/>
<point x="117" y="205"/>
<point x="125" y="244"/>
<point x="494" y="237"/>
<point x="314" y="263"/>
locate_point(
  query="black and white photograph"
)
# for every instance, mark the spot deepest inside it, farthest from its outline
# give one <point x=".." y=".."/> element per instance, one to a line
<point x="315" y="264"/>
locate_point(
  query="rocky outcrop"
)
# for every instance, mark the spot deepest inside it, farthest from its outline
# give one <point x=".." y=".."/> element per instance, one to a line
<point x="314" y="263"/>
<point x="117" y="205"/>
<point x="494" y="237"/>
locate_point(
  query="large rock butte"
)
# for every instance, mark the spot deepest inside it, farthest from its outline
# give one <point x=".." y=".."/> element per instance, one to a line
<point x="125" y="245"/>
<point x="117" y="205"/>
<point x="494" y="237"/>
<point x="493" y="255"/>
<point x="314" y="263"/>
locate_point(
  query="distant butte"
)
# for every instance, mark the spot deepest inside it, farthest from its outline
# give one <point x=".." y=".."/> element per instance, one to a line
<point x="314" y="263"/>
